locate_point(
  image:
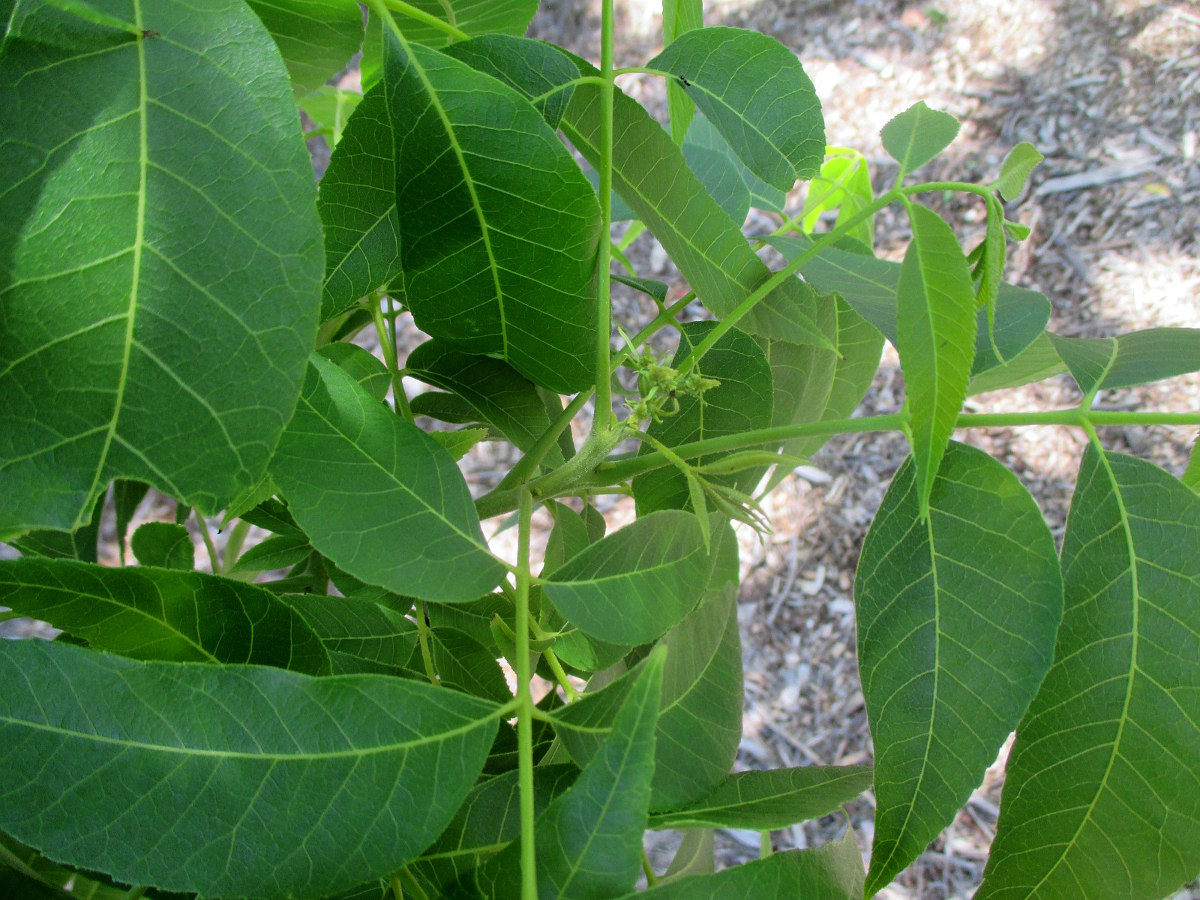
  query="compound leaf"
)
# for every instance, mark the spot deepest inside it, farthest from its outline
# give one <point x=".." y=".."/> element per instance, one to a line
<point x="957" y="613"/>
<point x="378" y="496"/>
<point x="230" y="780"/>
<point x="163" y="614"/>
<point x="1018" y="165"/>
<point x="135" y="195"/>
<point x="1140" y="357"/>
<point x="1102" y="795"/>
<point x="755" y="92"/>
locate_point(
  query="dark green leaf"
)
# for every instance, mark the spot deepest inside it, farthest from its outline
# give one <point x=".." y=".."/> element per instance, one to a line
<point x="770" y="800"/>
<point x="1102" y="796"/>
<point x="500" y="258"/>
<point x="700" y="720"/>
<point x="449" y="408"/>
<point x="695" y="856"/>
<point x="464" y="664"/>
<point x="741" y="402"/>
<point x="127" y="497"/>
<point x="721" y="179"/>
<point x="651" y="174"/>
<point x="162" y="614"/>
<point x="728" y="72"/>
<point x="358" y="628"/>
<point x="651" y="288"/>
<point x="831" y="872"/>
<point x="357" y="203"/>
<point x="701" y="133"/>
<point x="459" y="443"/>
<point x="487" y="821"/>
<point x="633" y="585"/>
<point x="280" y="551"/>
<point x="956" y="621"/>
<point x="917" y="135"/>
<point x="568" y="537"/>
<point x="315" y="37"/>
<point x="169" y="251"/>
<point x="1191" y="475"/>
<point x="589" y="840"/>
<point x="1140" y="357"/>
<point x="273" y="516"/>
<point x="531" y="68"/>
<point x="80" y="544"/>
<point x="498" y="394"/>
<point x="1018" y="165"/>
<point x="229" y="781"/>
<point x="364" y="367"/>
<point x="935" y="337"/>
<point x="163" y="544"/>
<point x="378" y="496"/>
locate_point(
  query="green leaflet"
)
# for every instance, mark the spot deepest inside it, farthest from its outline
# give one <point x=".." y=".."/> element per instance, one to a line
<point x="721" y="179"/>
<point x="844" y="184"/>
<point x="957" y="612"/>
<point x="362" y="482"/>
<point x="770" y="800"/>
<point x="465" y="664"/>
<point x="162" y="614"/>
<point x="330" y="108"/>
<point x="1036" y="362"/>
<point x="231" y="780"/>
<point x="1018" y="165"/>
<point x="741" y="402"/>
<point x="127" y="497"/>
<point x="935" y="337"/>
<point x="678" y="17"/>
<point x="589" y="840"/>
<point x="499" y="395"/>
<point x="653" y="177"/>
<point x="1099" y="364"/>
<point x="756" y="93"/>
<point x="475" y="17"/>
<point x="700" y="721"/>
<point x="315" y="37"/>
<point x="695" y="856"/>
<point x="830" y="872"/>
<point x="701" y="133"/>
<point x="364" y="367"/>
<point x="163" y="544"/>
<point x="917" y="135"/>
<point x="357" y="203"/>
<point x="634" y="584"/>
<point x="531" y="68"/>
<point x="1103" y="789"/>
<point x="869" y="285"/>
<point x="358" y="628"/>
<point x="79" y="544"/>
<point x="167" y="251"/>
<point x="500" y="226"/>
<point x="488" y="820"/>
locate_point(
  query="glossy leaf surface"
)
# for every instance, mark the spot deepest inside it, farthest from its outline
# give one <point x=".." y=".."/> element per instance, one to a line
<point x="957" y="615"/>
<point x="362" y="482"/>
<point x="756" y="93"/>
<point x="162" y="614"/>
<point x="134" y="194"/>
<point x="499" y="230"/>
<point x="235" y="780"/>
<point x="1103" y="788"/>
<point x="637" y="582"/>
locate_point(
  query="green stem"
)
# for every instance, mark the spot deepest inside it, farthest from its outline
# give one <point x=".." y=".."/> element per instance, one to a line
<point x="602" y="419"/>
<point x="382" y="6"/>
<point x="423" y="640"/>
<point x="563" y="680"/>
<point x="234" y="544"/>
<point x="214" y="560"/>
<point x="387" y="341"/>
<point x="651" y="877"/>
<point x="1079" y="418"/>
<point x="525" y="713"/>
